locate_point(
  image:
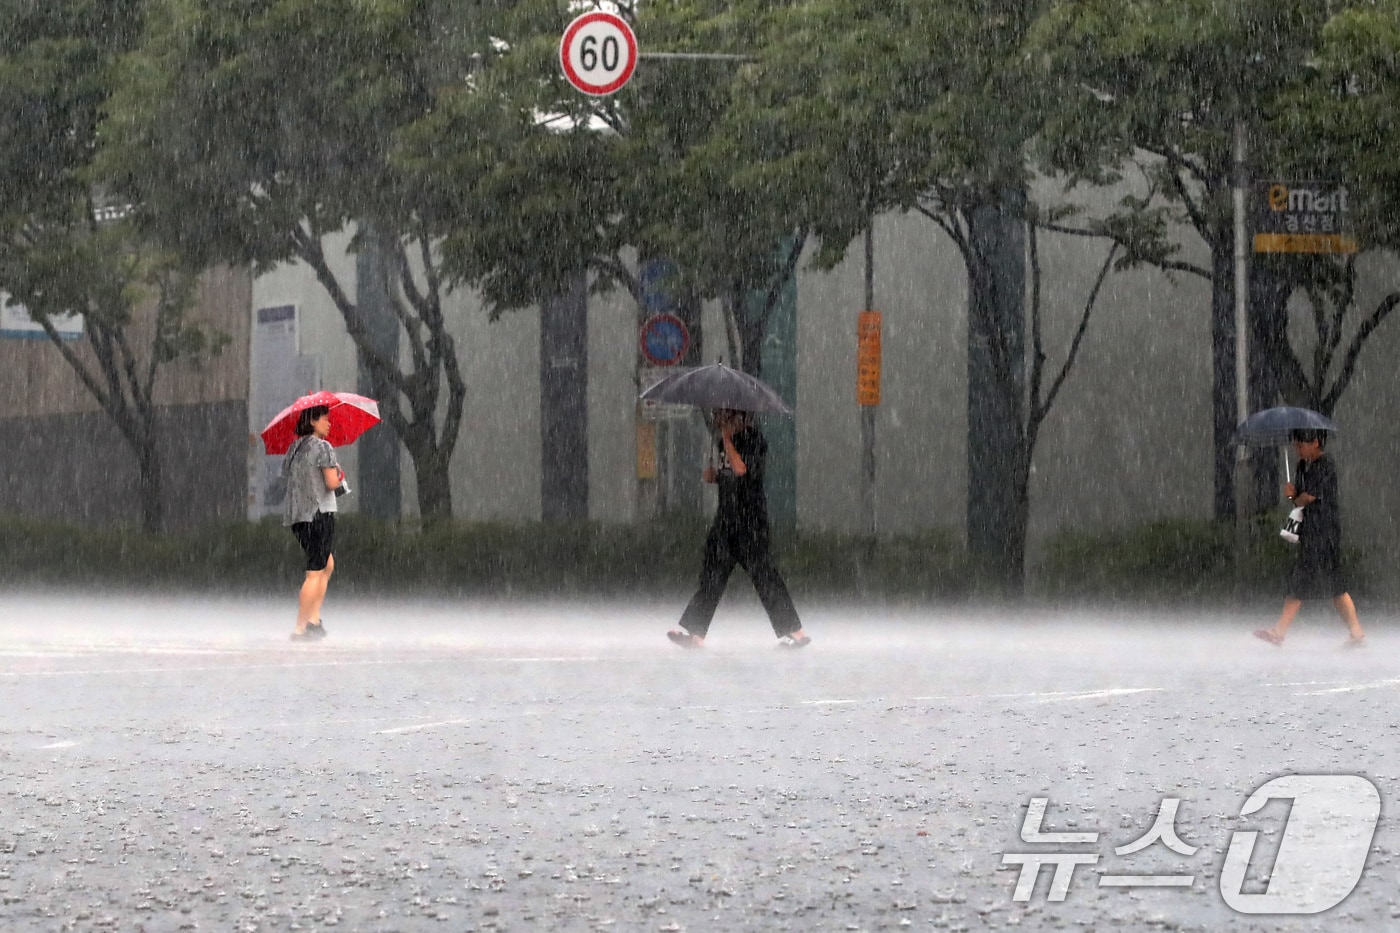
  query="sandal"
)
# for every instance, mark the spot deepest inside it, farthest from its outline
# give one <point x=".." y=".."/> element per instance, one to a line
<point x="1267" y="634"/>
<point x="685" y="639"/>
<point x="1355" y="642"/>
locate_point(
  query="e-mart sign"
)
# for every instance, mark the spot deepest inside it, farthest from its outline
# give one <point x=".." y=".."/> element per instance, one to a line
<point x="1302" y="217"/>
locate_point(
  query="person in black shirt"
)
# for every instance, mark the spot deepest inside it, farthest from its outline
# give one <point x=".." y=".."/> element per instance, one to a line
<point x="1317" y="571"/>
<point x="739" y="535"/>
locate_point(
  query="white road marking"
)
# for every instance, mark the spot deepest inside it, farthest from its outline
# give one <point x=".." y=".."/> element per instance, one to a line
<point x="421" y="726"/>
<point x="1042" y="697"/>
<point x="1352" y="688"/>
<point x="546" y="660"/>
<point x="451" y="659"/>
<point x="66" y="743"/>
<point x="1100" y="694"/>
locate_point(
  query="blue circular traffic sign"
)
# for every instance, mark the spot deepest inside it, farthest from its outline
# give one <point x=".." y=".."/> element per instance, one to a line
<point x="664" y="339"/>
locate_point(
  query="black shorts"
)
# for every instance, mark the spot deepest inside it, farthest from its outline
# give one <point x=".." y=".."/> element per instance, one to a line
<point x="1317" y="573"/>
<point x="317" y="539"/>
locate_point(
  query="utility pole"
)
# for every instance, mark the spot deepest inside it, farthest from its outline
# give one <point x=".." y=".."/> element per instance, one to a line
<point x="1243" y="485"/>
<point x="868" y="389"/>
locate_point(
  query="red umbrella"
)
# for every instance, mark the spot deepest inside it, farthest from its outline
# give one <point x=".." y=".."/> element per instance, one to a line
<point x="351" y="416"/>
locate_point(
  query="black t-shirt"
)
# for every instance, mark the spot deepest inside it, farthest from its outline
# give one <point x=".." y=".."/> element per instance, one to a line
<point x="743" y="505"/>
<point x="1321" y="519"/>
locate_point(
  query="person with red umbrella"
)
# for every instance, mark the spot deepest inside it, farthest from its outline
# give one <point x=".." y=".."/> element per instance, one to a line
<point x="308" y="431"/>
<point x="314" y="478"/>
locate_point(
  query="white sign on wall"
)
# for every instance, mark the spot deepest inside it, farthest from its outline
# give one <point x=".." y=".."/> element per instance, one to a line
<point x="278" y="375"/>
<point x="15" y="322"/>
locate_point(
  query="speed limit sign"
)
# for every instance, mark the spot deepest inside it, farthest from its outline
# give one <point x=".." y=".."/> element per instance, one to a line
<point x="598" y="53"/>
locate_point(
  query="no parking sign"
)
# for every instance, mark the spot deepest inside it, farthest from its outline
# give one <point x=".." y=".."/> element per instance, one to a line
<point x="664" y="339"/>
<point x="598" y="53"/>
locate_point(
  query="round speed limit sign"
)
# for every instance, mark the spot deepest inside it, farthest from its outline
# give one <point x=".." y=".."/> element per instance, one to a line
<point x="598" y="53"/>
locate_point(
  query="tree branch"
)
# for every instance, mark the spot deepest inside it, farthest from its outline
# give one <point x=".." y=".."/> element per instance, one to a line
<point x="615" y="268"/>
<point x="1079" y="332"/>
<point x="1374" y="320"/>
<point x="309" y="251"/>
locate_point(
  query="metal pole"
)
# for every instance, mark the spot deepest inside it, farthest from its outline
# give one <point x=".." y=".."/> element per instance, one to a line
<point x="696" y="57"/>
<point x="1242" y="484"/>
<point x="1241" y="280"/>
<point x="867" y="412"/>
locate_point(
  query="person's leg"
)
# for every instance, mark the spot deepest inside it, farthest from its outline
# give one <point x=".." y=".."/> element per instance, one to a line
<point x="1347" y="610"/>
<point x="325" y="583"/>
<point x="757" y="560"/>
<point x="1291" y="605"/>
<point x="313" y="591"/>
<point x="1275" y="635"/>
<point x="316" y="538"/>
<point x="1302" y="581"/>
<point x="325" y="542"/>
<point x="715" y="569"/>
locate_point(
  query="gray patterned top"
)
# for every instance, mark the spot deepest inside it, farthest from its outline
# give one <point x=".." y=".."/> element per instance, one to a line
<point x="306" y="484"/>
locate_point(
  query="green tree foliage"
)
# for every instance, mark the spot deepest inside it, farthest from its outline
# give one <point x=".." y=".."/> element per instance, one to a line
<point x="1341" y="126"/>
<point x="1160" y="88"/>
<point x="254" y="130"/>
<point x="65" y="246"/>
<point x="550" y="182"/>
<point x="857" y="109"/>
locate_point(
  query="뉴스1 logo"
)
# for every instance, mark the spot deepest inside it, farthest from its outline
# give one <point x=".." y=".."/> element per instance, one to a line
<point x="1320" y="858"/>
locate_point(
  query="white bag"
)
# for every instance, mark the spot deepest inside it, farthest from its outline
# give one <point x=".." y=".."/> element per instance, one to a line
<point x="1292" y="526"/>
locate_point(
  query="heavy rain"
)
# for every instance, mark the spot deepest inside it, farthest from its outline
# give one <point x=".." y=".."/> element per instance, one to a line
<point x="700" y="465"/>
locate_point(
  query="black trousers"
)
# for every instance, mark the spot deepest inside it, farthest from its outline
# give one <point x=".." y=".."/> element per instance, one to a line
<point x="724" y="549"/>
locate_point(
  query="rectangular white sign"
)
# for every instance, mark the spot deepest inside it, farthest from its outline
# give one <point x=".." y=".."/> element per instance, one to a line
<point x="15" y="322"/>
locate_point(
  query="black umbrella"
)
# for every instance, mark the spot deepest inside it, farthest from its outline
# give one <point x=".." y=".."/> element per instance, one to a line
<point x="1274" y="426"/>
<point x="716" y="386"/>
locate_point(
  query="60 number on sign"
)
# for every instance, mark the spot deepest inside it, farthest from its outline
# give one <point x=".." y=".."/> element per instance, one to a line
<point x="598" y="53"/>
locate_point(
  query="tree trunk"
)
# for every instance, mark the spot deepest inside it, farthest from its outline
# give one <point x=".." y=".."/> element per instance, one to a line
<point x="152" y="500"/>
<point x="1269" y="291"/>
<point x="564" y="405"/>
<point x="752" y="323"/>
<point x="995" y="394"/>
<point x="1222" y="342"/>
<point x="1015" y="584"/>
<point x="434" y="487"/>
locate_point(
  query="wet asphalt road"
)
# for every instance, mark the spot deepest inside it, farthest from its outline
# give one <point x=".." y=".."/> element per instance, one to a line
<point x="182" y="766"/>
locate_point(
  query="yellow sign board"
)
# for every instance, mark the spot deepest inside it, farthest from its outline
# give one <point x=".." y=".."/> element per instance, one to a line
<point x="1304" y="243"/>
<point x="646" y="449"/>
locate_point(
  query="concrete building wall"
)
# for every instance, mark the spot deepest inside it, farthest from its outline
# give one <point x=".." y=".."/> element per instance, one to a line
<point x="63" y="457"/>
<point x="1128" y="439"/>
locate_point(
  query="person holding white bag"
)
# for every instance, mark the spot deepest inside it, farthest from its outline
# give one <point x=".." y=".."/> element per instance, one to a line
<point x="1317" y="571"/>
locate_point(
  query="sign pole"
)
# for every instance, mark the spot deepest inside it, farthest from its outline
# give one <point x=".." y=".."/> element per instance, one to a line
<point x="1242" y="484"/>
<point x="868" y="353"/>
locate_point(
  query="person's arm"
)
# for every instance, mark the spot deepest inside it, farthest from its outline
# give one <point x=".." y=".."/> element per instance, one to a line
<point x="1298" y="498"/>
<point x="331" y="472"/>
